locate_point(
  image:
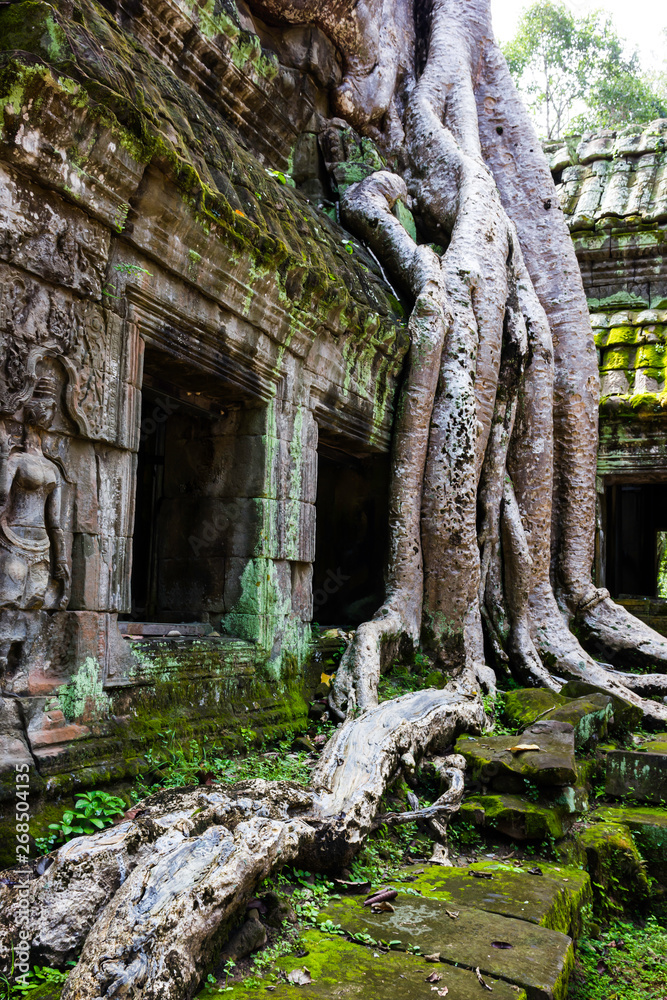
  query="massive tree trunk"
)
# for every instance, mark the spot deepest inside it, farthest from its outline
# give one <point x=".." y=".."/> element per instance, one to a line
<point x="493" y="490"/>
<point x="491" y="505"/>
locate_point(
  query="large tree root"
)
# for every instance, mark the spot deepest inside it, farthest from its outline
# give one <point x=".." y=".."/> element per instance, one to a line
<point x="149" y="903"/>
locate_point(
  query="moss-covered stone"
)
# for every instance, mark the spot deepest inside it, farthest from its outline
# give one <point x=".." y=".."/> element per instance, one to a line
<point x="639" y="775"/>
<point x="523" y="706"/>
<point x="590" y="715"/>
<point x="533" y="957"/>
<point x="339" y="968"/>
<point x="555" y="899"/>
<point x="649" y="832"/>
<point x="617" y="872"/>
<point x="491" y="758"/>
<point x="626" y="715"/>
<point x="514" y="816"/>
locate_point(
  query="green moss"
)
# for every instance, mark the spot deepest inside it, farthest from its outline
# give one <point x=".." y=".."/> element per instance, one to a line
<point x="523" y="706"/>
<point x="622" y="335"/>
<point x="144" y="106"/>
<point x="513" y="815"/>
<point x="31" y="27"/>
<point x="555" y="900"/>
<point x="84" y="698"/>
<point x="616" y="869"/>
<point x="651" y="356"/>
<point x="618" y="357"/>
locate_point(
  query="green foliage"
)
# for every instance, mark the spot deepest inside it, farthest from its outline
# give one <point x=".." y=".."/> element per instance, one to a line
<point x="175" y="764"/>
<point x="131" y="270"/>
<point x="92" y="811"/>
<point x="37" y="978"/>
<point x="626" y="962"/>
<point x="384" y="852"/>
<point x="402" y="679"/>
<point x="574" y="73"/>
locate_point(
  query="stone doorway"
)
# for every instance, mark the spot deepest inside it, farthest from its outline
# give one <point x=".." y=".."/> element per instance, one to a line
<point x="636" y="539"/>
<point x="351" y="536"/>
<point x="177" y="563"/>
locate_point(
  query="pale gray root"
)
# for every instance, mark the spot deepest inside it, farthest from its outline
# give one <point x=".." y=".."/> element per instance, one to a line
<point x="148" y="903"/>
<point x="376" y="39"/>
<point x="610" y="631"/>
<point x="451" y="772"/>
<point x="362" y="757"/>
<point x="366" y="207"/>
<point x="558" y="647"/>
<point x="525" y="660"/>
<point x="648" y="685"/>
<point x="160" y="930"/>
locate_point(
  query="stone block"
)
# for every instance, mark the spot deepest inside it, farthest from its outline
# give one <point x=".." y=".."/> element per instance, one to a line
<point x="100" y="573"/>
<point x="590" y="715"/>
<point x="553" y="899"/>
<point x="515" y="816"/>
<point x="626" y="715"/>
<point x="531" y="957"/>
<point x="639" y="775"/>
<point x="649" y="832"/>
<point x="523" y="706"/>
<point x="553" y="764"/>
<point x="616" y="869"/>
<point x="41" y="233"/>
<point x="14" y="751"/>
<point x="302" y="590"/>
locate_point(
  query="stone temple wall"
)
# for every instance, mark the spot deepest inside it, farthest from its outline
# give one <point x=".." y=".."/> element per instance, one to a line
<point x="183" y="328"/>
<point x="613" y="190"/>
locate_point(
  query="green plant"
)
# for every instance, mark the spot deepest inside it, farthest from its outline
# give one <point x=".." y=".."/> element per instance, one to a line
<point x="131" y="269"/>
<point x="92" y="812"/>
<point x="40" y="975"/>
<point x="384" y="852"/>
<point x="624" y="962"/>
<point x="175" y="764"/>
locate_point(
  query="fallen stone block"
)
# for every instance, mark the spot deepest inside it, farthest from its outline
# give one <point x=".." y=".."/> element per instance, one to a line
<point x="637" y="774"/>
<point x="492" y="758"/>
<point x="552" y="899"/>
<point x="532" y="957"/>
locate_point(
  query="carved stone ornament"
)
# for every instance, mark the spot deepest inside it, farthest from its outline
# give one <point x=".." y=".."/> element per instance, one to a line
<point x="34" y="570"/>
<point x="40" y="322"/>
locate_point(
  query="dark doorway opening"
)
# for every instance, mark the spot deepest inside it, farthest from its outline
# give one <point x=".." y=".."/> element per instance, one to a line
<point x="351" y="540"/>
<point x="170" y="582"/>
<point x="184" y="463"/>
<point x="636" y="529"/>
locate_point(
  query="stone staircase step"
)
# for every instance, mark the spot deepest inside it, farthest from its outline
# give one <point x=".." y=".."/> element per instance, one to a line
<point x="516" y="817"/>
<point x="524" y="954"/>
<point x="649" y="831"/>
<point x="553" y="899"/>
<point x="491" y="759"/>
<point x="340" y="969"/>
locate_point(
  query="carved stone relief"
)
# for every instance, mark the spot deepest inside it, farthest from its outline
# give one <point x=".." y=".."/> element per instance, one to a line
<point x="34" y="568"/>
<point x="39" y="321"/>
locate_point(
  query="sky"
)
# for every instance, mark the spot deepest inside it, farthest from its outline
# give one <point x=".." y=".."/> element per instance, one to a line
<point x="639" y="21"/>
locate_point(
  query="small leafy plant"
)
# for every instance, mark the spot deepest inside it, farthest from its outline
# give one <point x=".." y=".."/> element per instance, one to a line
<point x="92" y="811"/>
<point x="38" y="977"/>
